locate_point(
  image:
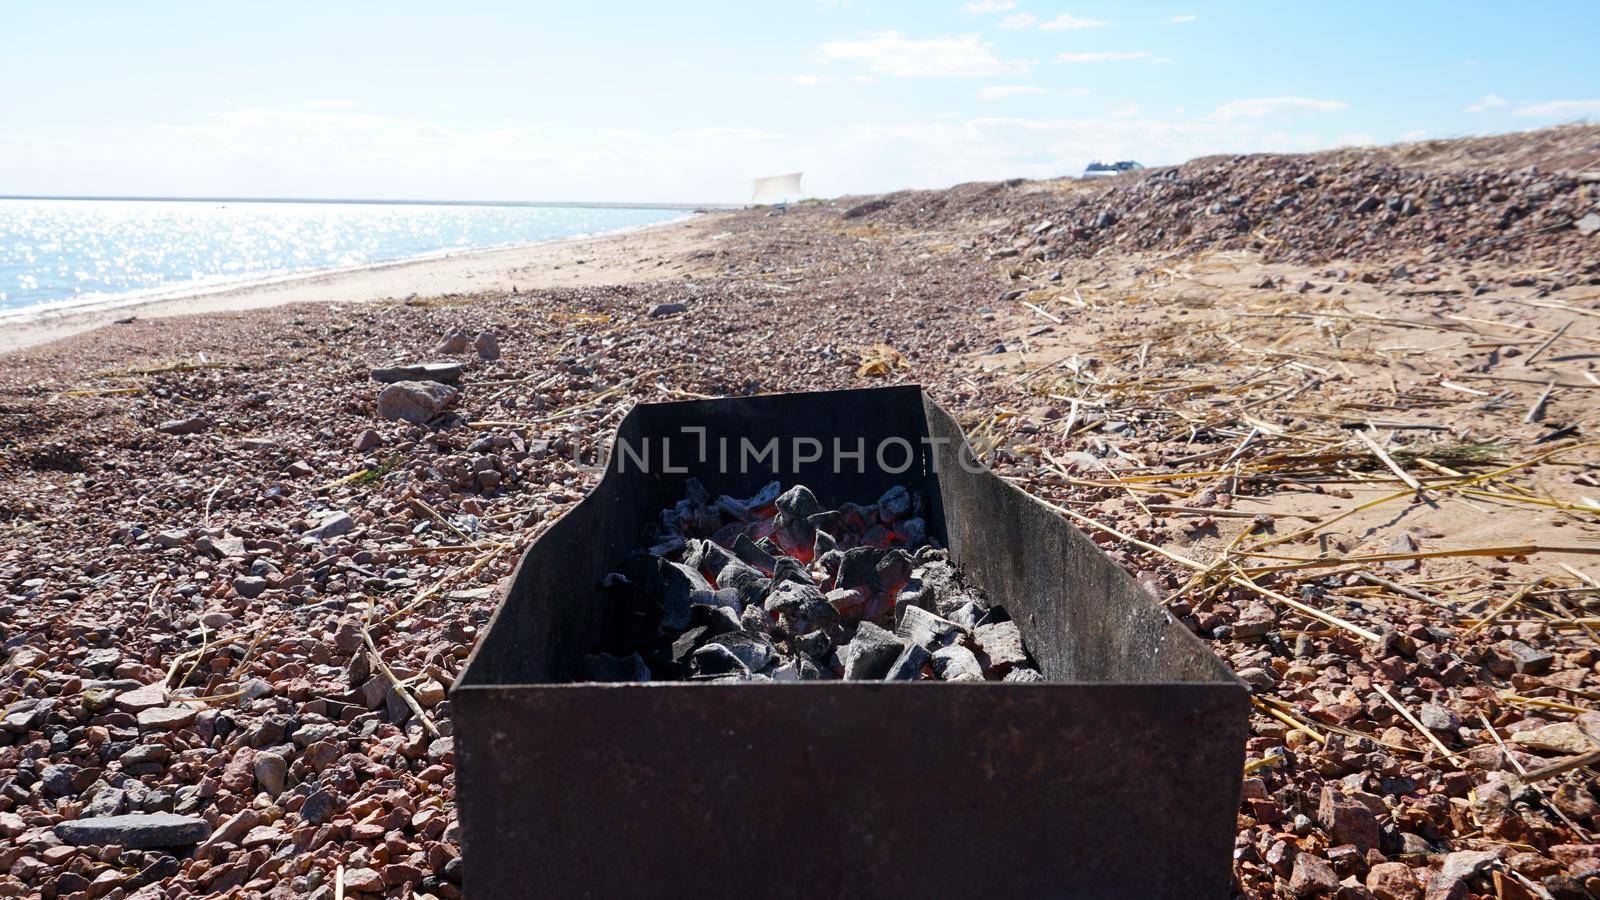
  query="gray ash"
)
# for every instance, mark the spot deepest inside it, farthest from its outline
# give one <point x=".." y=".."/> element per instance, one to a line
<point x="775" y="588"/>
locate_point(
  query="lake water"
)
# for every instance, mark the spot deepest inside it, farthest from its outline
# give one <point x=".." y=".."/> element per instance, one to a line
<point x="56" y="252"/>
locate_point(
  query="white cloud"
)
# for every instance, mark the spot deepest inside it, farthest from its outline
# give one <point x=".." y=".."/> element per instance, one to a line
<point x="289" y="151"/>
<point x="329" y="104"/>
<point x="1020" y="20"/>
<point x="1099" y="57"/>
<point x="1264" y="107"/>
<point x="1125" y="112"/>
<point x="1068" y="21"/>
<point x="1560" y="109"/>
<point x="1358" y="139"/>
<point x="1415" y="134"/>
<point x="1180" y="20"/>
<point x="988" y="6"/>
<point x="1078" y="92"/>
<point x="892" y="53"/>
<point x="806" y="79"/>
<point x="1004" y="91"/>
<point x="1488" y="102"/>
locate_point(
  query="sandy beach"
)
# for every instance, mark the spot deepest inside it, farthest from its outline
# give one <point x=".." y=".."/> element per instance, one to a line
<point x="642" y="254"/>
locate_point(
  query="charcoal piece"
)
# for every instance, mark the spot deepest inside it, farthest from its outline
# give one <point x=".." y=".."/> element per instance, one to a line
<point x="925" y="629"/>
<point x="912" y="532"/>
<point x="956" y="663"/>
<point x="877" y="536"/>
<point x="966" y="615"/>
<point x="678" y="585"/>
<point x="895" y="504"/>
<point x="789" y="671"/>
<point x="931" y="554"/>
<point x="796" y="537"/>
<point x="764" y="497"/>
<point x="751" y="555"/>
<point x="727" y="534"/>
<point x="870" y="653"/>
<point x="829" y="520"/>
<point x="848" y="602"/>
<point x="667" y="546"/>
<point x="909" y="664"/>
<point x="788" y="597"/>
<point x="798" y="503"/>
<point x="830" y="562"/>
<point x="755" y="620"/>
<point x="1023" y="675"/>
<point x="789" y="569"/>
<point x="892" y="571"/>
<point x="716" y="619"/>
<point x="768" y="546"/>
<point x="815" y="644"/>
<point x="754" y="651"/>
<point x="859" y="568"/>
<point x="999" y="646"/>
<point x="706" y="557"/>
<point x="606" y="667"/>
<point x="857" y="517"/>
<point x="684" y="645"/>
<point x="823" y="545"/>
<point x="750" y="584"/>
<point x="720" y="597"/>
<point x="732" y="508"/>
<point x="717" y="659"/>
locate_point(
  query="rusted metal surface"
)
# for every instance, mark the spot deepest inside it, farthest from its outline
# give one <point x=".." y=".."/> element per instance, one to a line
<point x="1117" y="777"/>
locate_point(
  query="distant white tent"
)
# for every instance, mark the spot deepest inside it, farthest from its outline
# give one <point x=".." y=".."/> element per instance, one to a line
<point x="777" y="188"/>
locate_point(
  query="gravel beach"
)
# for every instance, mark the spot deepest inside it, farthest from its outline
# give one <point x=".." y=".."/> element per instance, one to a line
<point x="1338" y="412"/>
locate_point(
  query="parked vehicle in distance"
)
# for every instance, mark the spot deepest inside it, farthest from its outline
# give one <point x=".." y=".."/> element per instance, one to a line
<point x="1103" y="169"/>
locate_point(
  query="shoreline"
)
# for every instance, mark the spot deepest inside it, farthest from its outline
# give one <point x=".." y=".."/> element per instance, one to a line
<point x="624" y="255"/>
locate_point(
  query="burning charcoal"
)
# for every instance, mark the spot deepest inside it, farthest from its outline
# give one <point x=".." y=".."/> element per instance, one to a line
<point x="678" y="586"/>
<point x="720" y="597"/>
<point x="895" y="504"/>
<point x="925" y="629"/>
<point x="717" y="659"/>
<point x="913" y="532"/>
<point x="824" y="545"/>
<point x="706" y="557"/>
<point x="815" y="644"/>
<point x="848" y="602"/>
<point x="829" y="562"/>
<point x="829" y="520"/>
<point x="605" y="667"/>
<point x="870" y="653"/>
<point x="752" y="650"/>
<point x="857" y="518"/>
<point x="791" y="598"/>
<point x="796" y="537"/>
<point x="909" y="665"/>
<point x="859" y="568"/>
<point x="753" y="556"/>
<point x="755" y="620"/>
<point x="1023" y="675"/>
<point x="876" y="536"/>
<point x="892" y="571"/>
<point x="798" y="503"/>
<point x="748" y="582"/>
<point x="789" y="569"/>
<point x="717" y="620"/>
<point x="728" y="534"/>
<point x="1000" y="646"/>
<point x="956" y="663"/>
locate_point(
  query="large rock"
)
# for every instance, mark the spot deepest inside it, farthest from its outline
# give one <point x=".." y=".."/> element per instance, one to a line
<point x="142" y="831"/>
<point x="331" y="527"/>
<point x="442" y="372"/>
<point x="415" y="401"/>
<point x="1561" y="737"/>
<point x="1393" y="881"/>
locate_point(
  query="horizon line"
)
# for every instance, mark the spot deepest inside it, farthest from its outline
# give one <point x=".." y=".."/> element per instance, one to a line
<point x="568" y="204"/>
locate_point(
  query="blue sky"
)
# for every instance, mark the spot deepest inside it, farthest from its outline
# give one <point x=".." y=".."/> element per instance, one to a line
<point x="687" y="101"/>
